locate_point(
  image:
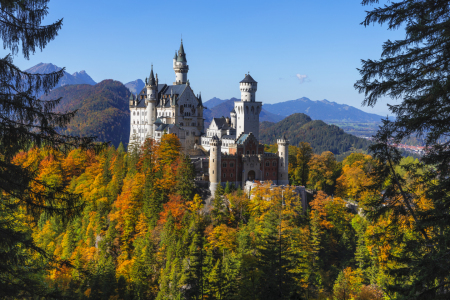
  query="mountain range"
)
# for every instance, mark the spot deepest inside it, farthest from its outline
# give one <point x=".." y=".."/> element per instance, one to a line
<point x="76" y="78"/>
<point x="224" y="107"/>
<point x="102" y="110"/>
<point x="318" y="110"/>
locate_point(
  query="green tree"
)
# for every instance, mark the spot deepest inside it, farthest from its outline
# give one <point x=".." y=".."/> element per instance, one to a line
<point x="27" y="121"/>
<point x="414" y="69"/>
<point x="185" y="179"/>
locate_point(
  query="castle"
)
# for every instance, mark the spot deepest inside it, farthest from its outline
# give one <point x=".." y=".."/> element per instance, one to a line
<point x="231" y="143"/>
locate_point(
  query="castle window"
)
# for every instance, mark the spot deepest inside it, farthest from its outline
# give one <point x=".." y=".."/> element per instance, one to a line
<point x="253" y="151"/>
<point x="267" y="164"/>
<point x="213" y="171"/>
<point x="273" y="173"/>
<point x="231" y="165"/>
<point x="224" y="175"/>
<point x="134" y="130"/>
<point x="281" y="164"/>
<point x="224" y="165"/>
<point x="231" y="175"/>
<point x="248" y="152"/>
<point x="267" y="174"/>
<point x="274" y="164"/>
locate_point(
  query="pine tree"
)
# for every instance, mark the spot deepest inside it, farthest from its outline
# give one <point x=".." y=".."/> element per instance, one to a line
<point x="27" y="121"/>
<point x="218" y="213"/>
<point x="414" y="69"/>
<point x="185" y="179"/>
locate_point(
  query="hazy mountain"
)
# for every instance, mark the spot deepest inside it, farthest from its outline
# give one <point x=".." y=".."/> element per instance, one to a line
<point x="77" y="78"/>
<point x="322" y="110"/>
<point x="224" y="109"/>
<point x="301" y="128"/>
<point x="84" y="77"/>
<point x="214" y="102"/>
<point x="135" y="86"/>
<point x="102" y="110"/>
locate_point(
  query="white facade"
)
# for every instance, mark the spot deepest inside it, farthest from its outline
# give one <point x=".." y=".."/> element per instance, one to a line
<point x="160" y="105"/>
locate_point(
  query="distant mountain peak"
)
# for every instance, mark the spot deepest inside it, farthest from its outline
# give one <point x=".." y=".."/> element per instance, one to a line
<point x="135" y="86"/>
<point x="76" y="78"/>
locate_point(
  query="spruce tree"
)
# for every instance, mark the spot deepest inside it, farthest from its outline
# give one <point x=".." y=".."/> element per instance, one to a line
<point x="26" y="121"/>
<point x="415" y="70"/>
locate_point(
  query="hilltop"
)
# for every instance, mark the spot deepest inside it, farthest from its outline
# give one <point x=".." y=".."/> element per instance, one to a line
<point x="102" y="110"/>
<point x="301" y="128"/>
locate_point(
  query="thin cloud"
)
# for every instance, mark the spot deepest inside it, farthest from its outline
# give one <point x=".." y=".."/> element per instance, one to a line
<point x="302" y="78"/>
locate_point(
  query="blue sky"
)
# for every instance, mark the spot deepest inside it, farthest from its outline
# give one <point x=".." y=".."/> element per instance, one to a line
<point x="292" y="48"/>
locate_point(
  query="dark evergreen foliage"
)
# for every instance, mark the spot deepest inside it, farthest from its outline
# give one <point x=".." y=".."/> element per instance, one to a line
<point x="415" y="70"/>
<point x="25" y="122"/>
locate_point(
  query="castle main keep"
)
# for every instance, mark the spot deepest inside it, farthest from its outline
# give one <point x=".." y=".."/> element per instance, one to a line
<point x="230" y="144"/>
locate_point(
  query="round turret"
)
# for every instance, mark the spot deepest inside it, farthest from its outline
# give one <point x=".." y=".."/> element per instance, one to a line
<point x="214" y="163"/>
<point x="233" y="118"/>
<point x="180" y="66"/>
<point x="283" y="164"/>
<point x="248" y="87"/>
<point x="131" y="99"/>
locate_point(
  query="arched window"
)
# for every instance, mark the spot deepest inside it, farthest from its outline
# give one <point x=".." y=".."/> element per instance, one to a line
<point x="134" y="113"/>
<point x="267" y="173"/>
<point x="224" y="165"/>
<point x="224" y="175"/>
<point x="267" y="164"/>
<point x="274" y="164"/>
<point x="231" y="165"/>
<point x="231" y="175"/>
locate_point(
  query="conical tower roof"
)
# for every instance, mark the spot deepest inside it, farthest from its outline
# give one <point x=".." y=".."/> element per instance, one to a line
<point x="181" y="55"/>
<point x="151" y="79"/>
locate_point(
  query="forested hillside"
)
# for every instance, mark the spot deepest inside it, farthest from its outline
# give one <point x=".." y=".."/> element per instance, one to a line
<point x="143" y="233"/>
<point x="322" y="137"/>
<point x="102" y="110"/>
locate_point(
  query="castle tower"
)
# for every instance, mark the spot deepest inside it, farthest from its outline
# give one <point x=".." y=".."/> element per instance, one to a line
<point x="214" y="163"/>
<point x="233" y="118"/>
<point x="247" y="110"/>
<point x="283" y="164"/>
<point x="180" y="66"/>
<point x="150" y="103"/>
<point x="131" y="100"/>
